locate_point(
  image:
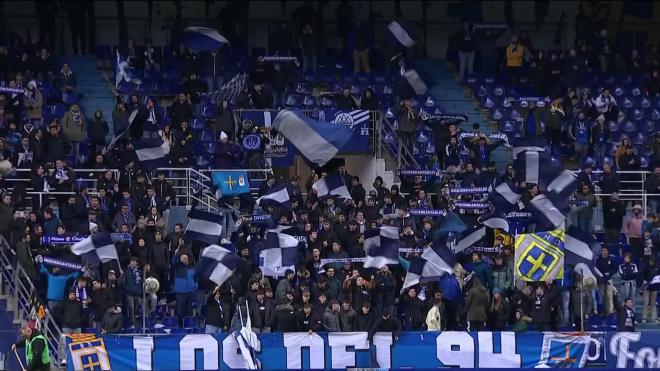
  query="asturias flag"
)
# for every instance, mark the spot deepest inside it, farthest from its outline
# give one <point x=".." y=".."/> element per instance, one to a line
<point x="231" y="183"/>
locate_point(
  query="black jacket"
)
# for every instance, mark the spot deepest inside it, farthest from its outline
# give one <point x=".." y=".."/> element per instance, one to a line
<point x="386" y="325"/>
<point x="71" y="313"/>
<point x="216" y="315"/>
<point x="98" y="128"/>
<point x="364" y="322"/>
<point x="284" y="319"/>
<point x="269" y="312"/>
<point x="310" y="322"/>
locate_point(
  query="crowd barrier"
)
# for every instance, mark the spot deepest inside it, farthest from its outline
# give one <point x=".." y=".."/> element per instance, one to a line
<point x="339" y="350"/>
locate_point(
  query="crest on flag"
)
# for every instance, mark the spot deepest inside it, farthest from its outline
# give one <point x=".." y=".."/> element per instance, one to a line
<point x="89" y="354"/>
<point x="540" y="256"/>
<point x="351" y="118"/>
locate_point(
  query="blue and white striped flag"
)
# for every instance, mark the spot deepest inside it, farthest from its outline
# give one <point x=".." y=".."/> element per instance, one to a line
<point x="152" y="152"/>
<point x="317" y="142"/>
<point x="381" y="247"/>
<point x="277" y="197"/>
<point x="281" y="254"/>
<point x="557" y="180"/>
<point x="203" y="39"/>
<point x="532" y="144"/>
<point x="124" y="72"/>
<point x="549" y="211"/>
<point x="229" y="90"/>
<point x="204" y="226"/>
<point x="416" y="82"/>
<point x="580" y="251"/>
<point x="216" y="264"/>
<point x="504" y="197"/>
<point x="96" y="247"/>
<point x="331" y="186"/>
<point x="248" y="342"/>
<point x="351" y="118"/>
<point x="401" y="34"/>
<point x="435" y="262"/>
<point x="468" y="238"/>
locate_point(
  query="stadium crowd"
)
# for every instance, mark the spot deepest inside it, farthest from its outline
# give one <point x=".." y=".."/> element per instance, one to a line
<point x="482" y="294"/>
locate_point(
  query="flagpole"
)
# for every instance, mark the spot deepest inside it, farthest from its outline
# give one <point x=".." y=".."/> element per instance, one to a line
<point x="144" y="301"/>
<point x="582" y="302"/>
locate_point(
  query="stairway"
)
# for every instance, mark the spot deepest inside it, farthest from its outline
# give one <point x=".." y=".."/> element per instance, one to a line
<point x="9" y="333"/>
<point x="449" y="94"/>
<point x="96" y="93"/>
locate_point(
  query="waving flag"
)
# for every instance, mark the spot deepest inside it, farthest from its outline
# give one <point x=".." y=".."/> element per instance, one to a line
<point x="416" y="82"/>
<point x="203" y="39"/>
<point x="435" y="262"/>
<point x="230" y="90"/>
<point x="504" y="197"/>
<point x="248" y="341"/>
<point x="124" y="72"/>
<point x="540" y="256"/>
<point x="231" y="182"/>
<point x="532" y="144"/>
<point x="216" y="264"/>
<point x="317" y="142"/>
<point x="277" y="197"/>
<point x="580" y="251"/>
<point x="281" y="254"/>
<point x="152" y="152"/>
<point x="381" y="246"/>
<point x="401" y="35"/>
<point x="331" y="186"/>
<point x="549" y="210"/>
<point x="96" y="247"/>
<point x="205" y="226"/>
<point x="451" y="223"/>
<point x="468" y="238"/>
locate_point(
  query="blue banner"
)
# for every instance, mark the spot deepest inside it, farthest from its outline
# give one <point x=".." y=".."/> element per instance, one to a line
<point x="279" y="150"/>
<point x="231" y="182"/>
<point x="359" y="121"/>
<point x="339" y="350"/>
<point x="427" y="212"/>
<point x="70" y="240"/>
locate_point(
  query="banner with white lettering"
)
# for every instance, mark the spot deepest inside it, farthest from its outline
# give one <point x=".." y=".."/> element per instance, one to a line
<point x="414" y="350"/>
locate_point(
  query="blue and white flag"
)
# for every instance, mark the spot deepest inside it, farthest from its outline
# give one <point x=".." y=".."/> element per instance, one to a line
<point x="435" y="262"/>
<point x="401" y="35"/>
<point x="229" y="90"/>
<point x="495" y="222"/>
<point x="549" y="210"/>
<point x="557" y="180"/>
<point x="248" y="342"/>
<point x="504" y="197"/>
<point x="152" y="152"/>
<point x="533" y="144"/>
<point x="451" y="224"/>
<point x="468" y="238"/>
<point x="527" y="165"/>
<point x="216" y="264"/>
<point x="280" y="254"/>
<point x="416" y="82"/>
<point x="203" y="39"/>
<point x="231" y="182"/>
<point x="96" y="247"/>
<point x="124" y="72"/>
<point x="580" y="251"/>
<point x="351" y="118"/>
<point x="317" y="142"/>
<point x="277" y="197"/>
<point x="205" y="226"/>
<point x="331" y="186"/>
<point x="381" y="247"/>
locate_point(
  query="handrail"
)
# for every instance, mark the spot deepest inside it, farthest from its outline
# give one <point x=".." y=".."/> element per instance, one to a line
<point x="22" y="287"/>
<point x="404" y="156"/>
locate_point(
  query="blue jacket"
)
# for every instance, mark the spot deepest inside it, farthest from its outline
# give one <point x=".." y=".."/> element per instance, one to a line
<point x="628" y="271"/>
<point x="57" y="283"/>
<point x="133" y="284"/>
<point x="184" y="276"/>
<point x="451" y="290"/>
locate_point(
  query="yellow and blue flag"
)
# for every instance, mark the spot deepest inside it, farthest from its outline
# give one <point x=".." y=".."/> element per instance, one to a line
<point x="540" y="256"/>
<point x="231" y="182"/>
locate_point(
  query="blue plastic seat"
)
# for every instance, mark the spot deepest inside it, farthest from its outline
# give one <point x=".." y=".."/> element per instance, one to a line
<point x="207" y="136"/>
<point x="197" y="148"/>
<point x="388" y="90"/>
<point x="170" y="322"/>
<point x="638" y="138"/>
<point x="202" y="162"/>
<point x="655" y="114"/>
<point x="57" y="110"/>
<point x="327" y="102"/>
<point x="421" y="137"/>
<point x="629" y="127"/>
<point x="310" y="77"/>
<point x="613" y="126"/>
<point x="644" y="161"/>
<point x="209" y="112"/>
<point x="588" y="161"/>
<point x="363" y="77"/>
<point x="618" y="92"/>
<point x="637" y="114"/>
<point x="356" y="90"/>
<point x="509" y="127"/>
<point x="210" y="147"/>
<point x="496" y="114"/>
<point x="608" y="160"/>
<point x="198" y="124"/>
<point x="291" y="101"/>
<point x="309" y="101"/>
<point x="190" y="322"/>
<point x="481" y="91"/>
<point x="626" y="103"/>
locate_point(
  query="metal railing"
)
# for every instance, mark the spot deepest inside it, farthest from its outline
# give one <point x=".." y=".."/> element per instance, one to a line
<point x="388" y="139"/>
<point x="21" y="287"/>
